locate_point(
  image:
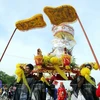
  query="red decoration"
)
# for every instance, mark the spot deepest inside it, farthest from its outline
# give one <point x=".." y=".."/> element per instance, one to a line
<point x="98" y="91"/>
<point x="55" y="82"/>
<point x="66" y="59"/>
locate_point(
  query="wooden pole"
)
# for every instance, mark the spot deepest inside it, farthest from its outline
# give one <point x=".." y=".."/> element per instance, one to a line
<point x="8" y="44"/>
<point x="88" y="42"/>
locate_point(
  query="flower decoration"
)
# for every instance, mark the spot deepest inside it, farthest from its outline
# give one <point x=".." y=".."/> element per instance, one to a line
<point x="85" y="72"/>
<point x="20" y="74"/>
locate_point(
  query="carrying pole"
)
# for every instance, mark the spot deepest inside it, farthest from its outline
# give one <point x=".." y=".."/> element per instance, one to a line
<point x="8" y="44"/>
<point x="88" y="41"/>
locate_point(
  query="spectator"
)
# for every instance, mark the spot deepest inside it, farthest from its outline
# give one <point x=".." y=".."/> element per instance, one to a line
<point x="98" y="90"/>
<point x="61" y="93"/>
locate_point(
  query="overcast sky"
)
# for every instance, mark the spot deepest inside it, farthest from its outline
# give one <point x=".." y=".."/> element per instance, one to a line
<point x="24" y="44"/>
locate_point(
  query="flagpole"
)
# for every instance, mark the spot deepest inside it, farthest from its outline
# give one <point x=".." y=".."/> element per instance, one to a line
<point x="88" y="41"/>
<point x="8" y="44"/>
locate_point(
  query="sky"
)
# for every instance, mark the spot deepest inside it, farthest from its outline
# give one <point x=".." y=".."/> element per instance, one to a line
<point x="23" y="46"/>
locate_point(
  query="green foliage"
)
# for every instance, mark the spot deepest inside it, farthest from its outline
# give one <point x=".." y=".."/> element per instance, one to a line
<point x="6" y="79"/>
<point x="73" y="63"/>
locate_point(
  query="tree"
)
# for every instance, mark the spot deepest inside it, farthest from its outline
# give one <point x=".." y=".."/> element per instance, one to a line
<point x="6" y="79"/>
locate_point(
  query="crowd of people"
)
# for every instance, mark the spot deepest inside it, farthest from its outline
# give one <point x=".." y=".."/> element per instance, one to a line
<point x="38" y="89"/>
